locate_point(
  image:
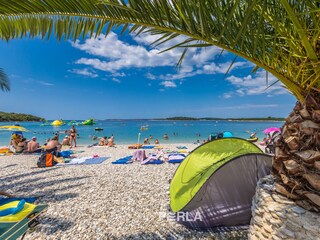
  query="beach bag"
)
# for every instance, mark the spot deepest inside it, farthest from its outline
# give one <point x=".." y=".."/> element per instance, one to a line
<point x="46" y="160"/>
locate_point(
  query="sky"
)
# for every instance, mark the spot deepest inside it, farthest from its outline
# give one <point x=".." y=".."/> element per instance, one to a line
<point x="124" y="77"/>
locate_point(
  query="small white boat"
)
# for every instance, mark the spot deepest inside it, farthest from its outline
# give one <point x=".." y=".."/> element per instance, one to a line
<point x="144" y="128"/>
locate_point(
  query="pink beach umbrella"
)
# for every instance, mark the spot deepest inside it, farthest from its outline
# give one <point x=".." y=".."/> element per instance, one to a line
<point x="272" y="129"/>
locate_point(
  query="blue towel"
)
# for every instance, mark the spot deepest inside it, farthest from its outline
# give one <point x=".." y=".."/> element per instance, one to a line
<point x="13" y="210"/>
<point x="175" y="161"/>
<point x="66" y="154"/>
<point x="95" y="160"/>
<point x="124" y="160"/>
<point x="7" y="200"/>
<point x="147" y="147"/>
<point x="181" y="147"/>
<point x="154" y="162"/>
<point x="83" y="161"/>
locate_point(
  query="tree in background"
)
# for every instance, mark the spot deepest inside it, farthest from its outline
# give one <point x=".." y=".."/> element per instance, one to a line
<point x="280" y="36"/>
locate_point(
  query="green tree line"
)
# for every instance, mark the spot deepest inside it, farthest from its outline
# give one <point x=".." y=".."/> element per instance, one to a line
<point x="19" y="117"/>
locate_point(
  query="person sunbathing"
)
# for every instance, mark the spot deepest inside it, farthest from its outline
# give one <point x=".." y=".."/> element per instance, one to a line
<point x="33" y="145"/>
<point x="110" y="142"/>
<point x="21" y="146"/>
<point x="53" y="144"/>
<point x="66" y="141"/>
<point x="102" y="141"/>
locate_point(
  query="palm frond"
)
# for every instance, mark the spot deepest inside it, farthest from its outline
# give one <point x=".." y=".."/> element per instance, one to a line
<point x="4" y="81"/>
<point x="281" y="36"/>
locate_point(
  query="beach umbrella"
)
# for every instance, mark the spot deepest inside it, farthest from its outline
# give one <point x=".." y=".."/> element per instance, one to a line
<point x="13" y="128"/>
<point x="271" y="129"/>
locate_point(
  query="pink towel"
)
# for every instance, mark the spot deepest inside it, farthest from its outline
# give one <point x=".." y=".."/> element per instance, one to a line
<point x="139" y="155"/>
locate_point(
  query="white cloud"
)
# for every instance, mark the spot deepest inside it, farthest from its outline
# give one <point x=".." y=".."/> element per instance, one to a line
<point x="111" y="54"/>
<point x="45" y="83"/>
<point x="118" y="74"/>
<point x="116" y="80"/>
<point x="85" y="72"/>
<point x="227" y="95"/>
<point x="168" y="84"/>
<point x="256" y="84"/>
<point x="150" y="76"/>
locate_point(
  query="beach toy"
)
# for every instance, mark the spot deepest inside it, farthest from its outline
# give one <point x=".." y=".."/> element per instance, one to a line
<point x="57" y="123"/>
<point x="88" y="122"/>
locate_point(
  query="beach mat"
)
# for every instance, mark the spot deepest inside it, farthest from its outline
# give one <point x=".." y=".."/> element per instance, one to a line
<point x="154" y="162"/>
<point x="147" y="147"/>
<point x="176" y="158"/>
<point x="175" y="161"/>
<point x="182" y="147"/>
<point x="84" y="161"/>
<point x="124" y="160"/>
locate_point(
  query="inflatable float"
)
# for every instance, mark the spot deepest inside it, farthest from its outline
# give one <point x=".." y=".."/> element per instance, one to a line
<point x="57" y="123"/>
<point x="4" y="150"/>
<point x="88" y="122"/>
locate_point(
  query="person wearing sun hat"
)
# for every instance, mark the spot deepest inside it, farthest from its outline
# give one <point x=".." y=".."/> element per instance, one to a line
<point x="33" y="145"/>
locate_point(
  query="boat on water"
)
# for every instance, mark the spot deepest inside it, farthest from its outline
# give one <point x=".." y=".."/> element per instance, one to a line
<point x="58" y="123"/>
<point x="144" y="128"/>
<point x="88" y="122"/>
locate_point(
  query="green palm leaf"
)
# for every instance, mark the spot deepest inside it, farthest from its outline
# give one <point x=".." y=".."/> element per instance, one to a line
<point x="4" y="81"/>
<point x="280" y="36"/>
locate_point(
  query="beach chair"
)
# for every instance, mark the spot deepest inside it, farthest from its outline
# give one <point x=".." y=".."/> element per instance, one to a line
<point x="17" y="216"/>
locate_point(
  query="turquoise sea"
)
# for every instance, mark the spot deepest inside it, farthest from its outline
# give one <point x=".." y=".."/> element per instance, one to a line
<point x="127" y="131"/>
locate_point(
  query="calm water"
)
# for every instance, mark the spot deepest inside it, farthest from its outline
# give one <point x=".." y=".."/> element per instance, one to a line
<point x="127" y="131"/>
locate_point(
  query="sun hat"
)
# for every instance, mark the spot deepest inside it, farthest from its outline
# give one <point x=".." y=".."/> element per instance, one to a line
<point x="34" y="137"/>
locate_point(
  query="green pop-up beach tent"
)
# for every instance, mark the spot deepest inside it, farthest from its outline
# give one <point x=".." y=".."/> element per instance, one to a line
<point x="215" y="183"/>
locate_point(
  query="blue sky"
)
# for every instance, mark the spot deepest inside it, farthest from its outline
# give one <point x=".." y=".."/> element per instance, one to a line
<point x="123" y="77"/>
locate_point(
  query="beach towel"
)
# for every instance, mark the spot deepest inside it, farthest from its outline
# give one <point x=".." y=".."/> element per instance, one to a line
<point x="176" y="158"/>
<point x="152" y="157"/>
<point x="7" y="200"/>
<point x="84" y="161"/>
<point x="66" y="154"/>
<point x="154" y="162"/>
<point x="181" y="147"/>
<point x="147" y="147"/>
<point x="124" y="160"/>
<point x="139" y="155"/>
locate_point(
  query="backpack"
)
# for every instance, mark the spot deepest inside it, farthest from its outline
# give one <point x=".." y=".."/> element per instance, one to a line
<point x="46" y="160"/>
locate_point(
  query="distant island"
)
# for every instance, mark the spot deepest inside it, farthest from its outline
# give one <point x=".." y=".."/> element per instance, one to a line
<point x="223" y="119"/>
<point x="19" y="117"/>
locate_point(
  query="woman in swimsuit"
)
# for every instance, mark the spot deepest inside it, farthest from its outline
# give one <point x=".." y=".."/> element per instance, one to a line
<point x="21" y="146"/>
<point x="73" y="136"/>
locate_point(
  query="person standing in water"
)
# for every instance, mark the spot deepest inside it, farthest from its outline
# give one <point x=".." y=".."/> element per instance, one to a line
<point x="73" y="136"/>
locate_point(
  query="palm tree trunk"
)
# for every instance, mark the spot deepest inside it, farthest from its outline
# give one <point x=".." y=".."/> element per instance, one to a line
<point x="296" y="163"/>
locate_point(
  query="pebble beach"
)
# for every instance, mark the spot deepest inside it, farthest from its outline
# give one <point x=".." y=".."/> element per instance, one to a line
<point x="101" y="201"/>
